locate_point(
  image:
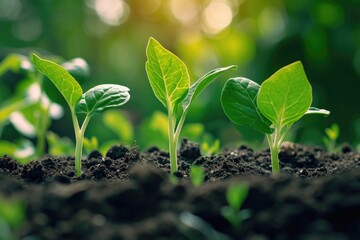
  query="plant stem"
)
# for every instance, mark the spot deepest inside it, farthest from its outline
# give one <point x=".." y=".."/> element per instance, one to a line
<point x="172" y="142"/>
<point x="274" y="152"/>
<point x="79" y="137"/>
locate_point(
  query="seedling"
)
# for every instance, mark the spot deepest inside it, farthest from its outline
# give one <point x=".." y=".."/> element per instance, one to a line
<point x="197" y="175"/>
<point x="235" y="196"/>
<point x="170" y="81"/>
<point x="29" y="109"/>
<point x="332" y="134"/>
<point x="271" y="108"/>
<point x="91" y="103"/>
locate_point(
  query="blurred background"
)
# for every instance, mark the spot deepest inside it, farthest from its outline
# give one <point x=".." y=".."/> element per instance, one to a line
<point x="256" y="35"/>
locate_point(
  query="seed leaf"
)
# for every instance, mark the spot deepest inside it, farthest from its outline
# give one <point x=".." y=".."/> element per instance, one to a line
<point x="102" y="97"/>
<point x="286" y="96"/>
<point x="238" y="99"/>
<point x="167" y="74"/>
<point x="65" y="83"/>
<point x="202" y="83"/>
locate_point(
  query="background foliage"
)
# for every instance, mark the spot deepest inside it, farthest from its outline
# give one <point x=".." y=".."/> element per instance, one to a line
<point x="257" y="35"/>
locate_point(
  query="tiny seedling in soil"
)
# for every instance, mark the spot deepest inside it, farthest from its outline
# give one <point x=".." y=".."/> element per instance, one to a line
<point x="197" y="175"/>
<point x="91" y="103"/>
<point x="170" y="81"/>
<point x="332" y="134"/>
<point x="271" y="108"/>
<point x="235" y="196"/>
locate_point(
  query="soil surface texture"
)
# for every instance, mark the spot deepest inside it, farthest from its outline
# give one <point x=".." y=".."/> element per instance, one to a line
<point x="130" y="195"/>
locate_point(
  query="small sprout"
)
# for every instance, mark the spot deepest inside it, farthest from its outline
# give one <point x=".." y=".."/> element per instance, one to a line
<point x="91" y="103"/>
<point x="91" y="144"/>
<point x="235" y="196"/>
<point x="12" y="216"/>
<point x="332" y="134"/>
<point x="271" y="108"/>
<point x="209" y="146"/>
<point x="170" y="81"/>
<point x="197" y="175"/>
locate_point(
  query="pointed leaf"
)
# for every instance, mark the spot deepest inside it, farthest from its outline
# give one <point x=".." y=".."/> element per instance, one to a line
<point x="286" y="96"/>
<point x="314" y="110"/>
<point x="238" y="99"/>
<point x="65" y="83"/>
<point x="202" y="83"/>
<point x="167" y="74"/>
<point x="102" y="97"/>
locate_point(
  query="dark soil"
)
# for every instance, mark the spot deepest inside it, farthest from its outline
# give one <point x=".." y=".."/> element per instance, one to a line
<point x="128" y="194"/>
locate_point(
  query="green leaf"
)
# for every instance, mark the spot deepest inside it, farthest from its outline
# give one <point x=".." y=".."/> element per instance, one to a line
<point x="65" y="83"/>
<point x="236" y="195"/>
<point x="314" y="110"/>
<point x="119" y="123"/>
<point x="202" y="83"/>
<point x="197" y="175"/>
<point x="102" y="97"/>
<point x="167" y="74"/>
<point x="11" y="62"/>
<point x="238" y="99"/>
<point x="286" y="96"/>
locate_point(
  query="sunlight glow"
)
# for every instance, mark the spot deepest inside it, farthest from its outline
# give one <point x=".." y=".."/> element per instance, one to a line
<point x="186" y="11"/>
<point x="111" y="12"/>
<point x="217" y="16"/>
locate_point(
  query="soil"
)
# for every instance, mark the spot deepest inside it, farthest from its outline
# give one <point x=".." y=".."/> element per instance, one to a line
<point x="129" y="195"/>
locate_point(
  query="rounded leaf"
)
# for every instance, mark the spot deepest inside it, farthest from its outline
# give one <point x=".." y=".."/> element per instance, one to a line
<point x="238" y="99"/>
<point x="285" y="96"/>
<point x="102" y="97"/>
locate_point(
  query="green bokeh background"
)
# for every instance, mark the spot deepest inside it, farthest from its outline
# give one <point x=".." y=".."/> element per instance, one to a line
<point x="257" y="35"/>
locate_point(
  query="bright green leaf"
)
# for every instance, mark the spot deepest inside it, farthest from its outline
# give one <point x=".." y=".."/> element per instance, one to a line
<point x="65" y="83"/>
<point x="238" y="99"/>
<point x="102" y="97"/>
<point x="118" y="122"/>
<point x="11" y="62"/>
<point x="286" y="96"/>
<point x="236" y="195"/>
<point x="202" y="83"/>
<point x="167" y="74"/>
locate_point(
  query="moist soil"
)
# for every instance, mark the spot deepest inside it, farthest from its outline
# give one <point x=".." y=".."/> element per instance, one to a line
<point x="129" y="195"/>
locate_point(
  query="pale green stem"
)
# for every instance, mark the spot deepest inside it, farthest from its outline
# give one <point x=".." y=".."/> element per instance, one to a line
<point x="275" y="140"/>
<point x="274" y="151"/>
<point x="172" y="142"/>
<point x="79" y="137"/>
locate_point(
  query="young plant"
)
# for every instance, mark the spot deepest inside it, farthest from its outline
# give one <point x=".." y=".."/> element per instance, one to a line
<point x="197" y="175"/>
<point x="235" y="197"/>
<point x="91" y="103"/>
<point x="271" y="108"/>
<point x="332" y="134"/>
<point x="170" y="81"/>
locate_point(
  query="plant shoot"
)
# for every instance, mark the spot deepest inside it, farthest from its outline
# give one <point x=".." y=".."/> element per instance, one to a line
<point x="170" y="81"/>
<point x="271" y="108"/>
<point x="91" y="103"/>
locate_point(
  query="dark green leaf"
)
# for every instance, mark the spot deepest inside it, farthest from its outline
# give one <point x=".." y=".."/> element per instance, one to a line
<point x="102" y="97"/>
<point x="238" y="99"/>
